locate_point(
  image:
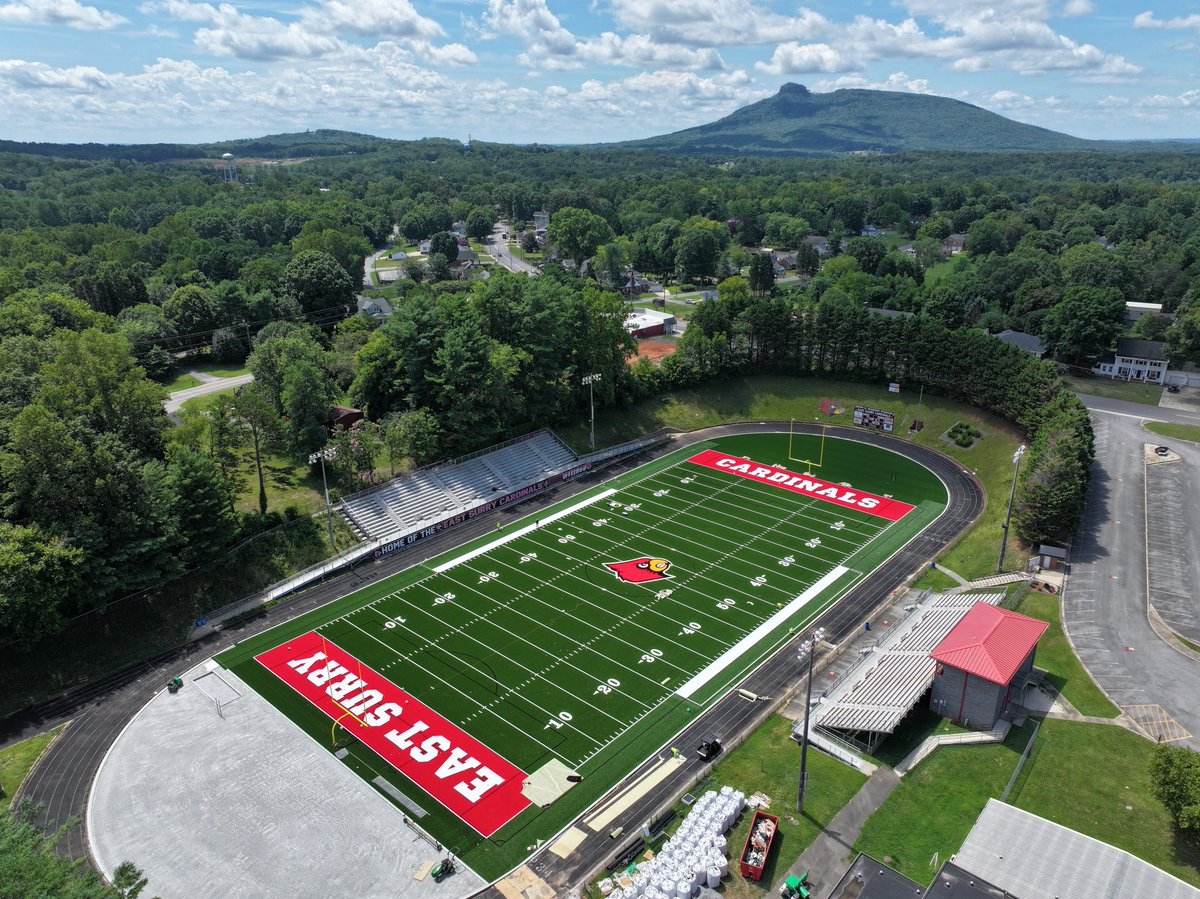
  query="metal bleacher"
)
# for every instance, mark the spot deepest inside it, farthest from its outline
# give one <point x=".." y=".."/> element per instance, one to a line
<point x="875" y="696"/>
<point x="434" y="494"/>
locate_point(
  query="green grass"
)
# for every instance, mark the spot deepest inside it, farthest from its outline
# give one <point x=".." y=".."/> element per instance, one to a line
<point x="1057" y="658"/>
<point x="529" y="611"/>
<point x="939" y="270"/>
<point x="912" y="731"/>
<point x="768" y="762"/>
<point x="1174" y="431"/>
<point x="935" y="806"/>
<point x="17" y="761"/>
<point x="1095" y="778"/>
<point x="1130" y="391"/>
<point x="773" y="397"/>
<point x="183" y="379"/>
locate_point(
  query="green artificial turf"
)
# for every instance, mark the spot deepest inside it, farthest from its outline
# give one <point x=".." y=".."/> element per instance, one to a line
<point x="538" y="650"/>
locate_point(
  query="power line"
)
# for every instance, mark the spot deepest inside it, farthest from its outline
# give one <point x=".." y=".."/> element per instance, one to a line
<point x="319" y="316"/>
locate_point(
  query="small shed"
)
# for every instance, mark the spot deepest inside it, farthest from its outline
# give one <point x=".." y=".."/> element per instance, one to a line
<point x="982" y="662"/>
<point x="1051" y="556"/>
<point x="345" y="417"/>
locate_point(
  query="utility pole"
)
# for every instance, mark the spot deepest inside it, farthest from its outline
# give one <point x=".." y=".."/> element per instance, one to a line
<point x="1011" y="497"/>
<point x="591" y="380"/>
<point x="807" y="648"/>
<point x="330" y="453"/>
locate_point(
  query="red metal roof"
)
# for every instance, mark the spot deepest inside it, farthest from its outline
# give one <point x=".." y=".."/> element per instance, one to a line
<point x="990" y="643"/>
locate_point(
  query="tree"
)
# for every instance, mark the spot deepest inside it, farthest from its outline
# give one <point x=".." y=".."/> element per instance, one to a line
<point x="114" y="287"/>
<point x="307" y="397"/>
<point x="762" y="274"/>
<point x="257" y="415"/>
<point x="190" y="310"/>
<point x="869" y="251"/>
<point x="416" y="270"/>
<point x="696" y="252"/>
<point x="1085" y="323"/>
<point x="316" y="281"/>
<point x="93" y="376"/>
<point x="577" y="233"/>
<point x="201" y="501"/>
<point x="1152" y="327"/>
<point x="1175" y="779"/>
<point x="416" y="435"/>
<point x="37" y="570"/>
<point x="479" y="222"/>
<point x="1183" y="337"/>
<point x="30" y="866"/>
<point x="272" y="357"/>
<point x="439" y="267"/>
<point x="445" y="243"/>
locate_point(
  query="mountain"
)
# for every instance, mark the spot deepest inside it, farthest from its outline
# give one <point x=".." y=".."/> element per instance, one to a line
<point x="797" y="122"/>
<point x="300" y="145"/>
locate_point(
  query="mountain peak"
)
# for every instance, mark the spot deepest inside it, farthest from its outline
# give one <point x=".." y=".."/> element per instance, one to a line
<point x="797" y="122"/>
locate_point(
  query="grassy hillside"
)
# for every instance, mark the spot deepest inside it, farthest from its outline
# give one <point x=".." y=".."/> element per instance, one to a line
<point x="798" y="122"/>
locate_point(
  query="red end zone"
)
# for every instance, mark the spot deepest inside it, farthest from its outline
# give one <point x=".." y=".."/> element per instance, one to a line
<point x="879" y="506"/>
<point x="451" y="766"/>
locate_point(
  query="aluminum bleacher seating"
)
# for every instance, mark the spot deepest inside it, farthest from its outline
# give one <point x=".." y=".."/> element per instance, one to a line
<point x="431" y="495"/>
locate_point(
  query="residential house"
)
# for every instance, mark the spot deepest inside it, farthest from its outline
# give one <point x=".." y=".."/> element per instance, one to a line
<point x="376" y="307"/>
<point x="398" y="255"/>
<point x="871" y="231"/>
<point x="909" y="250"/>
<point x="785" y="260"/>
<point x="1030" y="343"/>
<point x="1135" y="360"/>
<point x="1134" y="311"/>
<point x="954" y="244"/>
<point x="541" y="220"/>
<point x="818" y="243"/>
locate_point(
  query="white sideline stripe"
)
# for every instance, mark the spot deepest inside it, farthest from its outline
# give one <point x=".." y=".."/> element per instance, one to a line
<point x="522" y="531"/>
<point x="723" y="661"/>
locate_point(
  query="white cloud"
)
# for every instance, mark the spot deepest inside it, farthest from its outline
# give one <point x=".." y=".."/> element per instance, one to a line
<point x="1180" y="23"/>
<point x="70" y="13"/>
<point x="550" y="45"/>
<point x="18" y="73"/>
<point x="1078" y="8"/>
<point x="716" y="23"/>
<point x="797" y="59"/>
<point x="385" y="18"/>
<point x="897" y="81"/>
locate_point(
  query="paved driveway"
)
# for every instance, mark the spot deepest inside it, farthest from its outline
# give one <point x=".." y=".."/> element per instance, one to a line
<point x="1105" y="603"/>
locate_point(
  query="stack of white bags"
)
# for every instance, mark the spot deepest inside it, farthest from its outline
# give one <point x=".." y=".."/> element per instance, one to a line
<point x="696" y="856"/>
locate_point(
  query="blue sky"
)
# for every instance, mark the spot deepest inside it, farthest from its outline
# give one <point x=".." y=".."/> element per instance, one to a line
<point x="569" y="71"/>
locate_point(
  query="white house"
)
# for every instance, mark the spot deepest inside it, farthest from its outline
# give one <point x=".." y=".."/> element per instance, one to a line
<point x="1135" y="360"/>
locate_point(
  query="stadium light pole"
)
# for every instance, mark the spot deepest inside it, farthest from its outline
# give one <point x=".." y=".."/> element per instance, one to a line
<point x="807" y="648"/>
<point x="590" y="380"/>
<point x="327" y="453"/>
<point x="1011" y="497"/>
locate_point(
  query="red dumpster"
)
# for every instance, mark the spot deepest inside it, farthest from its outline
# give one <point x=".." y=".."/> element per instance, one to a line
<point x="758" y="844"/>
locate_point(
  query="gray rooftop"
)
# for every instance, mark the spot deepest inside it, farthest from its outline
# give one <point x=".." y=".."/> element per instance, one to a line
<point x="867" y="878"/>
<point x="1033" y="858"/>
<point x="1142" y="349"/>
<point x="1030" y="343"/>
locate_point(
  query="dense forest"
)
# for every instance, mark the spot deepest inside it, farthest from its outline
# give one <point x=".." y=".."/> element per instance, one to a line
<point x="114" y="272"/>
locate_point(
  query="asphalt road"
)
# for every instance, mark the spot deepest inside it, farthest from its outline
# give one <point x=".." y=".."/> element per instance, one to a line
<point x="62" y="780"/>
<point x="1105" y="602"/>
<point x="500" y="251"/>
<point x="173" y="403"/>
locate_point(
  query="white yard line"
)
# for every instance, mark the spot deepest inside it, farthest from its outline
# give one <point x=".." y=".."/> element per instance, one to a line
<point x="759" y="633"/>
<point x="522" y="531"/>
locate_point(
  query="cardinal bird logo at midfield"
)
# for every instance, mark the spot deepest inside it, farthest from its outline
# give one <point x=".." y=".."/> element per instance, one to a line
<point x="640" y="571"/>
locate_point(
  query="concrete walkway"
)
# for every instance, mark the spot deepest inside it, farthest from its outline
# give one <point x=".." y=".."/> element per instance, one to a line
<point x="950" y="574"/>
<point x="827" y="857"/>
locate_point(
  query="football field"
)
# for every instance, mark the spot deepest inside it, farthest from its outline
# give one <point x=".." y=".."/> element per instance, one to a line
<point x="578" y="640"/>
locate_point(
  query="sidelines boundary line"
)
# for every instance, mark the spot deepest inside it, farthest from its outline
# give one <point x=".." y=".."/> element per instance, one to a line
<point x="522" y="531"/>
<point x="730" y="655"/>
